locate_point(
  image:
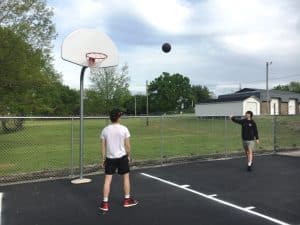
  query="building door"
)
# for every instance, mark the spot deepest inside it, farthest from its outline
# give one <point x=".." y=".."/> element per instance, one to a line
<point x="274" y="106"/>
<point x="252" y="106"/>
<point x="292" y="107"/>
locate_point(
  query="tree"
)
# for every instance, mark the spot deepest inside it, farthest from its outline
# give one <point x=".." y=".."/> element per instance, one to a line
<point x="293" y="86"/>
<point x="69" y="101"/>
<point x="140" y="100"/>
<point x="29" y="85"/>
<point x="200" y="93"/>
<point x="56" y="99"/>
<point x="19" y="73"/>
<point x="109" y="89"/>
<point x="94" y="103"/>
<point x="30" y="19"/>
<point x="29" y="82"/>
<point x="169" y="93"/>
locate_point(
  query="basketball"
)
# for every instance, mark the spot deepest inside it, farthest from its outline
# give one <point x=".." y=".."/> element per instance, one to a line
<point x="166" y="47"/>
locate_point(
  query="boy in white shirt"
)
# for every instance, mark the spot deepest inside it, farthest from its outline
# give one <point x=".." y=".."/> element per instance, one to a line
<point x="116" y="157"/>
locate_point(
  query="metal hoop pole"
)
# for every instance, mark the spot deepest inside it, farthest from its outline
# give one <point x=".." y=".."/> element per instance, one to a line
<point x="81" y="180"/>
<point x="81" y="121"/>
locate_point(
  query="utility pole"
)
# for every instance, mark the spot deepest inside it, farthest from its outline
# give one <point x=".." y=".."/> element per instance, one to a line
<point x="135" y="105"/>
<point x="267" y="87"/>
<point x="147" y="106"/>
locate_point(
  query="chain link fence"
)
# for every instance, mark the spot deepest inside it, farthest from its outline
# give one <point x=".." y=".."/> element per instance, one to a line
<point x="287" y="132"/>
<point x="43" y="147"/>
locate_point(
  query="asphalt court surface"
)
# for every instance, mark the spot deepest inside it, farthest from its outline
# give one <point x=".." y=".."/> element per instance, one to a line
<point x="272" y="188"/>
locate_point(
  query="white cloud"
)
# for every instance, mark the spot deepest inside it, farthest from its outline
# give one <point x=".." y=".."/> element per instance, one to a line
<point x="90" y="10"/>
<point x="252" y="27"/>
<point x="248" y="43"/>
<point x="138" y="89"/>
<point x="248" y="26"/>
<point x="225" y="88"/>
<point x="255" y="43"/>
<point x="74" y="14"/>
<point x="167" y="15"/>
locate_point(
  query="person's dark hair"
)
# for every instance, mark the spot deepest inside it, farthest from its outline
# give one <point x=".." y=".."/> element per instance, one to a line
<point x="114" y="115"/>
<point x="250" y="113"/>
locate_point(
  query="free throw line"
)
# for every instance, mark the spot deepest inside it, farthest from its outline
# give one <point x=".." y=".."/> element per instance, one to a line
<point x="216" y="199"/>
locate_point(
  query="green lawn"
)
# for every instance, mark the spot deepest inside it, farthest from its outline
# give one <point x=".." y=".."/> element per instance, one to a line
<point x="46" y="144"/>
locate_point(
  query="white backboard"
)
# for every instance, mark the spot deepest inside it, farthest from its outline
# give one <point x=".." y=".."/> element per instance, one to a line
<point x="80" y="42"/>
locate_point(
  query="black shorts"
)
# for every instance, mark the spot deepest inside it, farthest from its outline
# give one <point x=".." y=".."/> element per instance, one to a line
<point x="122" y="164"/>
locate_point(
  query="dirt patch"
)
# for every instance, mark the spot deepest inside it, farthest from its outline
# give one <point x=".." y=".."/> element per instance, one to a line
<point x="294" y="153"/>
<point x="5" y="165"/>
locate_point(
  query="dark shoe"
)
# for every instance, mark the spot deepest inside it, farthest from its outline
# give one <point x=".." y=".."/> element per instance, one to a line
<point x="129" y="202"/>
<point x="249" y="168"/>
<point x="104" y="206"/>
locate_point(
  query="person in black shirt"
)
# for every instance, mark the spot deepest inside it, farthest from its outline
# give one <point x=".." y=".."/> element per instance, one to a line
<point x="249" y="135"/>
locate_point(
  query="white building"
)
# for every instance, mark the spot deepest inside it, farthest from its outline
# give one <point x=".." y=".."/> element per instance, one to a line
<point x="255" y="100"/>
<point x="237" y="106"/>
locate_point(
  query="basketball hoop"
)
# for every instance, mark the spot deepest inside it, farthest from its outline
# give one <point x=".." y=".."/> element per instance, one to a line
<point x="94" y="59"/>
<point x="84" y="47"/>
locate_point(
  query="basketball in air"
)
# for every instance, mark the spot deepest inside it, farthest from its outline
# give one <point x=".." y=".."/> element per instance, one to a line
<point x="166" y="47"/>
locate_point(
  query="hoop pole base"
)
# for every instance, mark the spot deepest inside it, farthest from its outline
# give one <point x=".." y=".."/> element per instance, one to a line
<point x="81" y="181"/>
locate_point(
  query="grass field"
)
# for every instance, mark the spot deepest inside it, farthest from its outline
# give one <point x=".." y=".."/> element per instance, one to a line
<point x="47" y="144"/>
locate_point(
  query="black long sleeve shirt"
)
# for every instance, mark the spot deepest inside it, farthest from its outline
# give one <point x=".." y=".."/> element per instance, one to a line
<point x="249" y="129"/>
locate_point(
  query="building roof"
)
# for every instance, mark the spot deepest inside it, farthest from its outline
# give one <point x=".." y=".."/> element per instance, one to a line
<point x="237" y="98"/>
<point x="261" y="94"/>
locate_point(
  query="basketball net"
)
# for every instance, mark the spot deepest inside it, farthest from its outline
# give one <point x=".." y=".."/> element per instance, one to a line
<point x="95" y="59"/>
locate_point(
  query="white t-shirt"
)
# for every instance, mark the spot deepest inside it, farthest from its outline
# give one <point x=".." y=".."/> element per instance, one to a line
<point x="115" y="135"/>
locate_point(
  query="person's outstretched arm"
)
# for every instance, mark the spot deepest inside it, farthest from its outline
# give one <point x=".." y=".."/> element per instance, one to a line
<point x="236" y="120"/>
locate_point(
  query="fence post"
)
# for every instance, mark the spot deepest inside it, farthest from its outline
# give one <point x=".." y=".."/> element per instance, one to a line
<point x="225" y="135"/>
<point x="161" y="140"/>
<point x="274" y="133"/>
<point x="72" y="147"/>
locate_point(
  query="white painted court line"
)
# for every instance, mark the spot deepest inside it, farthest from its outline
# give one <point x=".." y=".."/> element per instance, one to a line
<point x="1" y="196"/>
<point x="185" y="185"/>
<point x="213" y="195"/>
<point x="250" y="207"/>
<point x="217" y="200"/>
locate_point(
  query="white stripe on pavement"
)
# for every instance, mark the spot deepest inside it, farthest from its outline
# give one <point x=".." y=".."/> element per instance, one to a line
<point x="1" y="196"/>
<point x="217" y="200"/>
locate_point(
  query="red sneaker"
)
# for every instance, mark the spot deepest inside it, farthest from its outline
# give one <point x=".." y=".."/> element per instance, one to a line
<point x="104" y="206"/>
<point x="129" y="202"/>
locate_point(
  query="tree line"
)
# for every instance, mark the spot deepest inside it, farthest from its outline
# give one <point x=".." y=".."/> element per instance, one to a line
<point x="166" y="94"/>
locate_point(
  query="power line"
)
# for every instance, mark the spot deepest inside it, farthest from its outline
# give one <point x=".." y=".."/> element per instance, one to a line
<point x="287" y="75"/>
<point x="274" y="78"/>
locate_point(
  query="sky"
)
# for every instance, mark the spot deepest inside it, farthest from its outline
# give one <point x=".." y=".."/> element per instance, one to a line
<point x="222" y="44"/>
